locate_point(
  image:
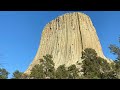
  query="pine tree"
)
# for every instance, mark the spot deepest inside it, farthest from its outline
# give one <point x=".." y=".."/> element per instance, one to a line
<point x="73" y="72"/>
<point x="45" y="69"/>
<point x="95" y="67"/>
<point x="17" y="74"/>
<point x="116" y="51"/>
<point x="3" y="73"/>
<point x="62" y="72"/>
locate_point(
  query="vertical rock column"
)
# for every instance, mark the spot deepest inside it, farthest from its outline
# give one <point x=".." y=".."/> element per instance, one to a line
<point x="65" y="38"/>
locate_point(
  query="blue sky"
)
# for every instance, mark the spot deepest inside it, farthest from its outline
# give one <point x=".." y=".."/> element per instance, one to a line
<point x="20" y="33"/>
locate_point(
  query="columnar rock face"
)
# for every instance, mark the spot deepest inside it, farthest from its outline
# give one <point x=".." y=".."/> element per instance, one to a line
<point x="65" y="38"/>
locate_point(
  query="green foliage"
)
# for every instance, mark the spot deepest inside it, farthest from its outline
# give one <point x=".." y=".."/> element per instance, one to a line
<point x="3" y="73"/>
<point x="61" y="72"/>
<point x="90" y="64"/>
<point x="106" y="69"/>
<point x="37" y="72"/>
<point x="17" y="74"/>
<point x="116" y="51"/>
<point x="73" y="72"/>
<point x="103" y="65"/>
<point x="45" y="69"/>
<point x="25" y="76"/>
<point x="108" y="75"/>
<point x="89" y="53"/>
<point x="48" y="66"/>
<point x="95" y="67"/>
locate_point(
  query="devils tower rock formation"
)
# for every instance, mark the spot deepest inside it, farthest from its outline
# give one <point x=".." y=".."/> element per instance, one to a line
<point x="66" y="37"/>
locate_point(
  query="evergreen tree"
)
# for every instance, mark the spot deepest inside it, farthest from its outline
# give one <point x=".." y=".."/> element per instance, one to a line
<point x="17" y="75"/>
<point x="73" y="72"/>
<point x="25" y="76"/>
<point x="3" y="73"/>
<point x="37" y="72"/>
<point x="45" y="69"/>
<point x="95" y="67"/>
<point x="116" y="51"/>
<point x="90" y="65"/>
<point x="62" y="72"/>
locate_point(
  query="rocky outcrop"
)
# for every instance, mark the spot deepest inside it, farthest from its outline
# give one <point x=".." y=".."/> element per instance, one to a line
<point x="66" y="37"/>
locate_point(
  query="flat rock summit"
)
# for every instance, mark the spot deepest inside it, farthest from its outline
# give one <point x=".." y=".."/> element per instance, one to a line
<point x="65" y="38"/>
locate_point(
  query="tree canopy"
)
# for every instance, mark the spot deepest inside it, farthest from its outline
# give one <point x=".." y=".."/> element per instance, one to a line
<point x="95" y="67"/>
<point x="3" y="73"/>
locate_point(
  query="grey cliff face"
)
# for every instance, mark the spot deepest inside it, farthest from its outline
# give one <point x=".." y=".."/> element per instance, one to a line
<point x="65" y="38"/>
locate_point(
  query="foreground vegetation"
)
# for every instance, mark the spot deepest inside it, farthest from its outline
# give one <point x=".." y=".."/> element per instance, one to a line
<point x="92" y="67"/>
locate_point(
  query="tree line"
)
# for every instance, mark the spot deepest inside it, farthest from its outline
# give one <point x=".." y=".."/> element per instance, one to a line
<point x="92" y="67"/>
